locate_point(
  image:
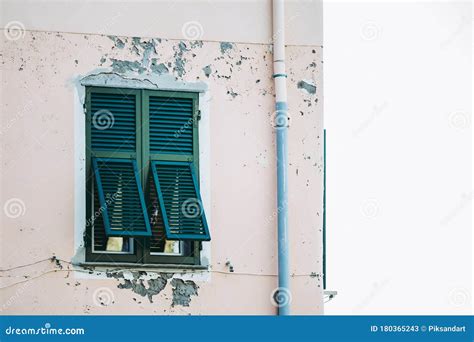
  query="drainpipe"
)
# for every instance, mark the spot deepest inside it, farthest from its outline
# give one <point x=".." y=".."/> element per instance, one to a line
<point x="283" y="296"/>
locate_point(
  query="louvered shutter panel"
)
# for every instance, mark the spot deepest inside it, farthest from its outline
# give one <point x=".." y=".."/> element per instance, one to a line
<point x="121" y="199"/>
<point x="171" y="125"/>
<point x="179" y="201"/>
<point x="113" y="120"/>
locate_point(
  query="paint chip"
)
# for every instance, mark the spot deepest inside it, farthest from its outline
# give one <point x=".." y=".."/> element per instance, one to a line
<point x="307" y="86"/>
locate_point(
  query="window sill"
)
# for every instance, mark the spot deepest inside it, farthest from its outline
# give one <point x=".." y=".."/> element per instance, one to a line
<point x="135" y="266"/>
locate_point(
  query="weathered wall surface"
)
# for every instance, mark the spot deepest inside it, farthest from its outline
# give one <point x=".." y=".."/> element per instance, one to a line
<point x="39" y="79"/>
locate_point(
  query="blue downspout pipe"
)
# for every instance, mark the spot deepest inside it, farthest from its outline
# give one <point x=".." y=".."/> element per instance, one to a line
<point x="284" y="294"/>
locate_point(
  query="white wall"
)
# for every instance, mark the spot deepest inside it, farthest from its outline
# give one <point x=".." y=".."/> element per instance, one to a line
<point x="246" y="21"/>
<point x="398" y="115"/>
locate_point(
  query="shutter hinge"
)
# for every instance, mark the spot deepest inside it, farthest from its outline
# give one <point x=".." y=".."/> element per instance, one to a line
<point x="85" y="107"/>
<point x="198" y="115"/>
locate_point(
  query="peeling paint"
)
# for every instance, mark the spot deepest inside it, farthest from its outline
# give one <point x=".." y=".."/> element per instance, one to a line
<point x="226" y="46"/>
<point x="155" y="286"/>
<point x="119" y="43"/>
<point x="307" y="86"/>
<point x="135" y="281"/>
<point x="197" y="43"/>
<point x="151" y="284"/>
<point x="122" y="67"/>
<point x="158" y="68"/>
<point x="179" y="60"/>
<point x="182" y="291"/>
<point x="207" y="70"/>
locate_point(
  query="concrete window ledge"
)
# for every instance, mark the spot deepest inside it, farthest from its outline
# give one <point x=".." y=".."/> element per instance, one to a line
<point x="155" y="267"/>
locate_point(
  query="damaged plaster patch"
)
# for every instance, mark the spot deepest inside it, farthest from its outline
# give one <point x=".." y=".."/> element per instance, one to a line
<point x="182" y="291"/>
<point x="142" y="283"/>
<point x="207" y="70"/>
<point x="179" y="60"/>
<point x="149" y="284"/>
<point x="117" y="41"/>
<point x="307" y="86"/>
<point x="127" y="66"/>
<point x="148" y="59"/>
<point x="225" y="46"/>
<point x="155" y="286"/>
<point x="148" y="47"/>
<point x="159" y="68"/>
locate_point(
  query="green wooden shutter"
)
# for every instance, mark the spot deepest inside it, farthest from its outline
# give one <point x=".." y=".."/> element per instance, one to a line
<point x="171" y="125"/>
<point x="113" y="122"/>
<point x="179" y="200"/>
<point x="114" y="141"/>
<point x="121" y="197"/>
<point x="172" y="146"/>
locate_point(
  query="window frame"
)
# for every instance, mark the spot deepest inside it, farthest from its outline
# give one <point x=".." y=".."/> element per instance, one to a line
<point x="141" y="245"/>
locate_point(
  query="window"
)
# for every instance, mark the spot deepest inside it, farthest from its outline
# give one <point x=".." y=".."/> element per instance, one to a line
<point x="143" y="203"/>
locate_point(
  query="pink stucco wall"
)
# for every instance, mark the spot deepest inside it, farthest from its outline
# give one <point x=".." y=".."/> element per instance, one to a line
<point x="39" y="151"/>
